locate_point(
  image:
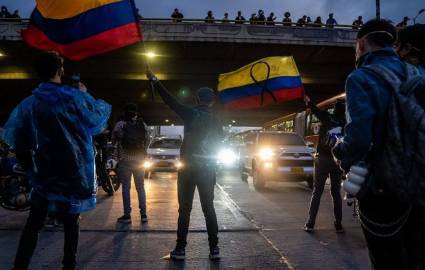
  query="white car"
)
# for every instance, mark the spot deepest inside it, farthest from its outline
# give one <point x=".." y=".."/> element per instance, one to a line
<point x="276" y="156"/>
<point x="163" y="155"/>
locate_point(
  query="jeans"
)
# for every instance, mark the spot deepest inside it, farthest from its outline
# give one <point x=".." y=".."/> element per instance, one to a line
<point x="203" y="179"/>
<point x="405" y="249"/>
<point x="325" y="167"/>
<point x="35" y="222"/>
<point x="125" y="170"/>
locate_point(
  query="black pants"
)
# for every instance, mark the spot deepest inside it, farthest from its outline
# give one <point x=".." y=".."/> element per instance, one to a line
<point x="203" y="179"/>
<point x="35" y="222"/>
<point x="406" y="249"/>
<point x="325" y="167"/>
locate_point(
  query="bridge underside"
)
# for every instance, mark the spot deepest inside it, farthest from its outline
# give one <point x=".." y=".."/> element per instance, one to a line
<point x="118" y="77"/>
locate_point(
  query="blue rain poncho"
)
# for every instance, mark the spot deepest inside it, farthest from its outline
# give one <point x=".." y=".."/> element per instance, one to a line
<point x="54" y="128"/>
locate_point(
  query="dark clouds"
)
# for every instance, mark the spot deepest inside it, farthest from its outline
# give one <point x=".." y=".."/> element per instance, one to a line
<point x="345" y="10"/>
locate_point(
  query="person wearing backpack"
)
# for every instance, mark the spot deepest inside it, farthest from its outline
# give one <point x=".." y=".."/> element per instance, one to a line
<point x="131" y="137"/>
<point x="203" y="133"/>
<point x="383" y="149"/>
<point x="325" y="165"/>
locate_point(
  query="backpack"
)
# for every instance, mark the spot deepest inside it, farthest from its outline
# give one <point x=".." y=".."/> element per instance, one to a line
<point x="400" y="170"/>
<point x="134" y="136"/>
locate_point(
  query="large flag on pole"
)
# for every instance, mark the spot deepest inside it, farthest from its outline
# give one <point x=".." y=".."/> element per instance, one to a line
<point x="82" y="28"/>
<point x="261" y="83"/>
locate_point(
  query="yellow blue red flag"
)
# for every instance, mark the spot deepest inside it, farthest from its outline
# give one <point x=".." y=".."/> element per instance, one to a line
<point x="82" y="28"/>
<point x="263" y="82"/>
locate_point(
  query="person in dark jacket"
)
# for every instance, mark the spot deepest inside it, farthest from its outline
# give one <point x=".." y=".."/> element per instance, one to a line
<point x="210" y="17"/>
<point x="202" y="134"/>
<point x="391" y="244"/>
<point x="358" y="23"/>
<point x="253" y="19"/>
<point x="325" y="165"/>
<point x="129" y="156"/>
<point x="177" y="15"/>
<point x="261" y="18"/>
<point x="302" y="21"/>
<point x="318" y="22"/>
<point x="270" y="19"/>
<point x="51" y="133"/>
<point x="287" y="21"/>
<point x="240" y="19"/>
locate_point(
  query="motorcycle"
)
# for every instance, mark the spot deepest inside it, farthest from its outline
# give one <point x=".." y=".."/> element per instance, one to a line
<point x="106" y="168"/>
<point x="14" y="185"/>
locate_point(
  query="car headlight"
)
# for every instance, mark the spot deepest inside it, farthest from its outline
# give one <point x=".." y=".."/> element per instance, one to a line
<point x="266" y="153"/>
<point x="179" y="164"/>
<point x="227" y="157"/>
<point x="147" y="164"/>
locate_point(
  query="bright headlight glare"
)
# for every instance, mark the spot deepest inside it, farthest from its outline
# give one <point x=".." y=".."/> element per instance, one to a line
<point x="266" y="153"/>
<point x="227" y="157"/>
<point x="179" y="164"/>
<point x="147" y="164"/>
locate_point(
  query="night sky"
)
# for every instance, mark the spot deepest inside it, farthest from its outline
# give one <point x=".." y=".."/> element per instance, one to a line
<point x="345" y="10"/>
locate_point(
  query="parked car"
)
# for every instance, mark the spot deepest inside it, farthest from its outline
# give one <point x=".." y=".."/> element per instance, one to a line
<point x="276" y="156"/>
<point x="163" y="154"/>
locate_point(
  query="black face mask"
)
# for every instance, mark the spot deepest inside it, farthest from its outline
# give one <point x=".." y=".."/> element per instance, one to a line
<point x="130" y="115"/>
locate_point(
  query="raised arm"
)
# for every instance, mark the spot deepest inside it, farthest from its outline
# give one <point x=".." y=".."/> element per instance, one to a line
<point x="322" y="115"/>
<point x="184" y="111"/>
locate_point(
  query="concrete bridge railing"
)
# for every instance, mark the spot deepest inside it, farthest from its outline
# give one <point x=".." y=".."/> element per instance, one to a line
<point x="198" y="31"/>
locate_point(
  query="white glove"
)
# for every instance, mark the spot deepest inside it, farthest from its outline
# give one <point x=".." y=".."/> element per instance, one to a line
<point x="355" y="178"/>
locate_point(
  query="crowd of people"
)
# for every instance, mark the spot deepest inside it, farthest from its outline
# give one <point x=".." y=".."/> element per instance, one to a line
<point x="5" y="14"/>
<point x="260" y="18"/>
<point x="57" y="116"/>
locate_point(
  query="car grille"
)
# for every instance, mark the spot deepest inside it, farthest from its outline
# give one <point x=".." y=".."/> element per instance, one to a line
<point x="296" y="163"/>
<point x="163" y="156"/>
<point x="164" y="164"/>
<point x="295" y="155"/>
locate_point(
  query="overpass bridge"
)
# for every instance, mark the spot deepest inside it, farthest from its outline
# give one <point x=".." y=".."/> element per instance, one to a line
<point x="190" y="54"/>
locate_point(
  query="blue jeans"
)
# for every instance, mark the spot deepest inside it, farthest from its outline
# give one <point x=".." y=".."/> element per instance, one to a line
<point x="125" y="170"/>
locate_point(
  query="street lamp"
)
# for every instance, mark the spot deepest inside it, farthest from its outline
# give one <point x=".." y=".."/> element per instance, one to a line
<point x="378" y="9"/>
<point x="419" y="13"/>
<point x="151" y="55"/>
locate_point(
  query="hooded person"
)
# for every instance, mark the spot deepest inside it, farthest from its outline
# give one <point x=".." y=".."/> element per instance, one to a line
<point x="203" y="133"/>
<point x="131" y="138"/>
<point x="51" y="133"/>
<point x="330" y="125"/>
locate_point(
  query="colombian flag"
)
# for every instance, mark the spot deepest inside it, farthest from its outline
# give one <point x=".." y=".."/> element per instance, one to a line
<point x="79" y="29"/>
<point x="272" y="79"/>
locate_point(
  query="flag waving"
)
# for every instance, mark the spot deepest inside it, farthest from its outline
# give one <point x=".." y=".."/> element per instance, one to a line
<point x="266" y="81"/>
<point x="82" y="28"/>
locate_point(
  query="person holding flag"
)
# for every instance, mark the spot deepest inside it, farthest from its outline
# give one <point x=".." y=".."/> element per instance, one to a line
<point x="202" y="134"/>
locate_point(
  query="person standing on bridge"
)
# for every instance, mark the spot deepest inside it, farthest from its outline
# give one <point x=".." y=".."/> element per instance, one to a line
<point x="325" y="165"/>
<point x="177" y="16"/>
<point x="203" y="133"/>
<point x="287" y="21"/>
<point x="331" y="22"/>
<point x="51" y="133"/>
<point x="240" y="19"/>
<point x="210" y="17"/>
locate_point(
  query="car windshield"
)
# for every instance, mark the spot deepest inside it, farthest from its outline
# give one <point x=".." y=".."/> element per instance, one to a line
<point x="167" y="143"/>
<point x="280" y="139"/>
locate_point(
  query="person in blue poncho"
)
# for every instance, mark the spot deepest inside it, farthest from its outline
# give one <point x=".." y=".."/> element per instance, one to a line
<point x="51" y="132"/>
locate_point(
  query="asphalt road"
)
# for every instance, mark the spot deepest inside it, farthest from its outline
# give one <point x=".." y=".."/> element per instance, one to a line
<point x="258" y="230"/>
